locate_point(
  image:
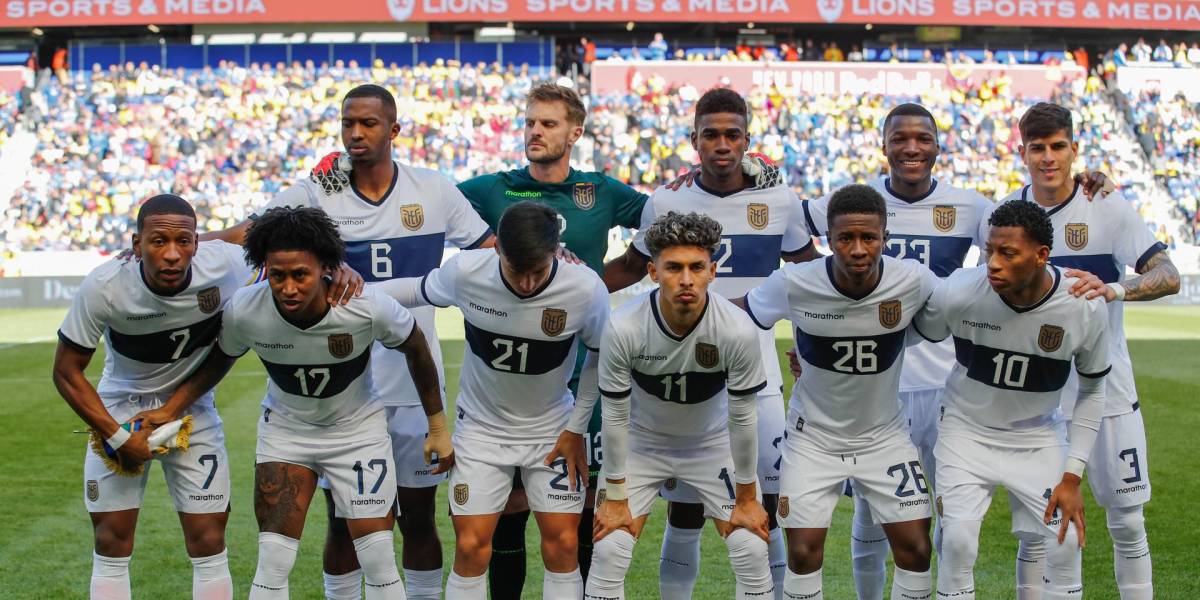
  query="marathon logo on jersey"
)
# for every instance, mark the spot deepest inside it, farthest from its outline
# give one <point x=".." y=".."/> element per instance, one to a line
<point x="944" y="218"/>
<point x="554" y="321"/>
<point x="412" y="216"/>
<point x="341" y="344"/>
<point x="209" y="299"/>
<point x="707" y="355"/>
<point x="784" y="508"/>
<point x="758" y="215"/>
<point x="584" y="195"/>
<point x="1077" y="235"/>
<point x="462" y="492"/>
<point x="93" y="490"/>
<point x="889" y="313"/>
<point x="1050" y="338"/>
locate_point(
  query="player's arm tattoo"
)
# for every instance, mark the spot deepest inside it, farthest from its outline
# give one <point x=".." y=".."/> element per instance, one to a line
<point x="1158" y="277"/>
<point x="423" y="369"/>
<point x="277" y="498"/>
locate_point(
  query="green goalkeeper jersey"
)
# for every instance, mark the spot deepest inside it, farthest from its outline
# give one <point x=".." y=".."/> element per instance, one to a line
<point x="589" y="205"/>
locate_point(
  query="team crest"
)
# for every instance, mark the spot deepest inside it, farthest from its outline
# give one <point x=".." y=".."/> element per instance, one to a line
<point x="758" y="215"/>
<point x="1076" y="235"/>
<point x="462" y="492"/>
<point x="584" y="195"/>
<point x="671" y="484"/>
<point x="93" y="490"/>
<point x="1050" y="338"/>
<point x="412" y="216"/>
<point x="341" y="344"/>
<point x="944" y="218"/>
<point x="554" y="321"/>
<point x="707" y="355"/>
<point x="830" y="10"/>
<point x="209" y="299"/>
<point x="889" y="313"/>
<point x="784" y="508"/>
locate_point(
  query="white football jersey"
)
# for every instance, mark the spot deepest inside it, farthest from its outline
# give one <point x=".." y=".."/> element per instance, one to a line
<point x="1012" y="362"/>
<point x="1103" y="237"/>
<point x="520" y="349"/>
<point x="318" y="375"/>
<point x="851" y="349"/>
<point x="679" y="384"/>
<point x="937" y="230"/>
<point x="154" y="342"/>
<point x="403" y="235"/>
<point x="756" y="227"/>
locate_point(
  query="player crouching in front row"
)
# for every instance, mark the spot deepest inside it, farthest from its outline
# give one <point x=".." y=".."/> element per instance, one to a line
<point x="319" y="415"/>
<point x="679" y="372"/>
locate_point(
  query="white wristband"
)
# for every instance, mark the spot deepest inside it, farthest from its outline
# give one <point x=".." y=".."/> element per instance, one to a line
<point x="1075" y="467"/>
<point x="118" y="439"/>
<point x="1119" y="290"/>
<point x="615" y="491"/>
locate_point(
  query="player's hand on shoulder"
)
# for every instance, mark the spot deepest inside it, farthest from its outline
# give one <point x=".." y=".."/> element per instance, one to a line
<point x="686" y="176"/>
<point x="1095" y="182"/>
<point x="750" y="515"/>
<point x="126" y="255"/>
<point x="611" y="515"/>
<point x="794" y="364"/>
<point x="563" y="254"/>
<point x="1067" y="500"/>
<point x="570" y="447"/>
<point x="346" y="284"/>
<point x="332" y="173"/>
<point x="762" y="170"/>
<point x="1089" y="286"/>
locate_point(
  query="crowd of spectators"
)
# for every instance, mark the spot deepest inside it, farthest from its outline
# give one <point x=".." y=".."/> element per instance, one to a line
<point x="1169" y="132"/>
<point x="229" y="138"/>
<point x="1165" y="54"/>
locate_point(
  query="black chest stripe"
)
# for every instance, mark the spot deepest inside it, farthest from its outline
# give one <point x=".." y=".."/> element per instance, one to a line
<point x="163" y="347"/>
<point x="521" y="356"/>
<point x="692" y="387"/>
<point x="317" y="381"/>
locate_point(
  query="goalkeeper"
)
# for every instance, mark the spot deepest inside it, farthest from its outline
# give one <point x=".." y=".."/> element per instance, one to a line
<point x="160" y="315"/>
<point x="590" y="204"/>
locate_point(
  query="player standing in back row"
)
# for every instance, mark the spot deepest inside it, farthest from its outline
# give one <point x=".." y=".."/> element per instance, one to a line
<point x="760" y="226"/>
<point x="395" y="220"/>
<point x="1105" y="236"/>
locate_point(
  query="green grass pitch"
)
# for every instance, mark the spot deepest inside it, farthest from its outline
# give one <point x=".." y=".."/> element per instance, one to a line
<point x="45" y="537"/>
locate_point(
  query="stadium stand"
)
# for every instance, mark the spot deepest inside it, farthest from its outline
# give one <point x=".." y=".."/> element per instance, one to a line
<point x="116" y="136"/>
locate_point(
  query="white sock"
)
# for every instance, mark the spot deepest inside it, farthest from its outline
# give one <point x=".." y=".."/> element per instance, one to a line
<point x="110" y="577"/>
<point x="748" y="557"/>
<point x="562" y="586"/>
<point x="802" y="587"/>
<point x="424" y="585"/>
<point x="610" y="562"/>
<point x="1031" y="567"/>
<point x="1064" y="565"/>
<point x="1131" y="553"/>
<point x="868" y="552"/>
<point x="956" y="561"/>
<point x="459" y="587"/>
<point x="777" y="554"/>
<point x="276" y="555"/>
<point x="679" y="563"/>
<point x="347" y="586"/>
<point x="210" y="577"/>
<point x="377" y="556"/>
<point x="910" y="585"/>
